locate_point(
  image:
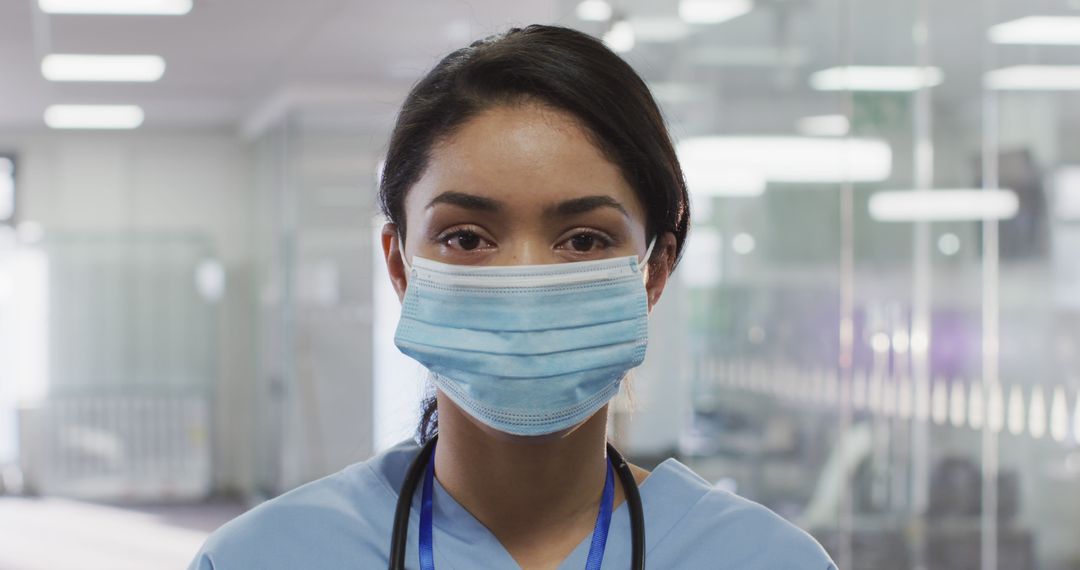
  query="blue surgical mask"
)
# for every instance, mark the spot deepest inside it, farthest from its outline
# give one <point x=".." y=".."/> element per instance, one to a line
<point x="527" y="349"/>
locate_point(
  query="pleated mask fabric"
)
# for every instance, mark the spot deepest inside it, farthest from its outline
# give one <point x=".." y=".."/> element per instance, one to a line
<point x="527" y="349"/>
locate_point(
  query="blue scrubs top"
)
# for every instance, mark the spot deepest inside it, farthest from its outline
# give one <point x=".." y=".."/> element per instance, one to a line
<point x="344" y="521"/>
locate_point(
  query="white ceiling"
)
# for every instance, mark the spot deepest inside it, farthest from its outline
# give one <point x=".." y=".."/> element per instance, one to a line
<point x="241" y="63"/>
<point x="233" y="62"/>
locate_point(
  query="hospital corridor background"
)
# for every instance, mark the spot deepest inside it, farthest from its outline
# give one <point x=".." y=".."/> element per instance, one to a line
<point x="874" y="331"/>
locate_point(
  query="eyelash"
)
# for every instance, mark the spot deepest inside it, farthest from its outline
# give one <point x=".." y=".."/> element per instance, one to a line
<point x="444" y="237"/>
<point x="603" y="240"/>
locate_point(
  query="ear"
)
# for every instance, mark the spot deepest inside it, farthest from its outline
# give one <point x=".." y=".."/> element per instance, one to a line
<point x="659" y="268"/>
<point x="391" y="245"/>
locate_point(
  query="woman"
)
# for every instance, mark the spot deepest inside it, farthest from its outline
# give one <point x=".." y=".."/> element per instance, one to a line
<point x="536" y="209"/>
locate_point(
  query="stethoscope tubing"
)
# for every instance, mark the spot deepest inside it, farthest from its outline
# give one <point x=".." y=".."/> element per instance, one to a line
<point x="399" y="536"/>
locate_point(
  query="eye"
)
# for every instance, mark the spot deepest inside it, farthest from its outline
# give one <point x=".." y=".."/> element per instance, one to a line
<point x="584" y="242"/>
<point x="465" y="240"/>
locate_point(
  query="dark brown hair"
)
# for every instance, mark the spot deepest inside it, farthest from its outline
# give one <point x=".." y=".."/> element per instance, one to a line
<point x="560" y="67"/>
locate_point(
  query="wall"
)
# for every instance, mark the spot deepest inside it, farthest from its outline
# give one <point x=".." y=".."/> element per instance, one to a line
<point x="194" y="181"/>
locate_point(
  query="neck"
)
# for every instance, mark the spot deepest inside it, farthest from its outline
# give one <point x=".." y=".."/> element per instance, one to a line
<point x="525" y="490"/>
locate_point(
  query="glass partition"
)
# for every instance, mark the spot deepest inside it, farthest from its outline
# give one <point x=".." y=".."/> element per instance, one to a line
<point x="874" y="329"/>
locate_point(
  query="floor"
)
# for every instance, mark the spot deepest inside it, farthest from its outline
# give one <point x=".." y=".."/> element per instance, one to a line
<point x="65" y="534"/>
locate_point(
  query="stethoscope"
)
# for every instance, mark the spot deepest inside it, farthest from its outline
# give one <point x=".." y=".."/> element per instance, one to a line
<point x="416" y="472"/>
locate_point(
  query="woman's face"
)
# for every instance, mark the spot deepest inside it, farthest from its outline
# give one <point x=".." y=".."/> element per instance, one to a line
<point x="522" y="185"/>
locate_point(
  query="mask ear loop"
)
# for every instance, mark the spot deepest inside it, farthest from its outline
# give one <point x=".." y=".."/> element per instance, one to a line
<point x="648" y="254"/>
<point x="401" y="253"/>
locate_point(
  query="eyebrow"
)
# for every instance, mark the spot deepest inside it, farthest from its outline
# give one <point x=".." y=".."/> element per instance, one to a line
<point x="583" y="205"/>
<point x="467" y="201"/>
<point x="571" y="207"/>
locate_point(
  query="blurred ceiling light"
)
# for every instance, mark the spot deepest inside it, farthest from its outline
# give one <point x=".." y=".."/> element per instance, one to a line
<point x="943" y="205"/>
<point x="72" y="67"/>
<point x="1037" y="413"/>
<point x="1035" y="78"/>
<point x="117" y="7"/>
<point x="976" y="410"/>
<point x="210" y="280"/>
<point x="919" y="342"/>
<point x="709" y="180"/>
<point x="620" y="38"/>
<point x="594" y="11"/>
<point x="824" y="125"/>
<point x="659" y="30"/>
<point x="1016" y="410"/>
<point x="1059" y="415"/>
<point x="713" y="11"/>
<point x="876" y="78"/>
<point x="1038" y="30"/>
<point x="1067" y="194"/>
<point x="948" y="244"/>
<point x="791" y="159"/>
<point x="743" y="244"/>
<point x="93" y="116"/>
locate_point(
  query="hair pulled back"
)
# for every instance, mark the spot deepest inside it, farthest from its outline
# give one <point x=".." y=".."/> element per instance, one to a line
<point x="559" y="67"/>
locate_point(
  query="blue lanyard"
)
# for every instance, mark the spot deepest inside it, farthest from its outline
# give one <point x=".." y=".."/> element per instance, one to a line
<point x="599" y="537"/>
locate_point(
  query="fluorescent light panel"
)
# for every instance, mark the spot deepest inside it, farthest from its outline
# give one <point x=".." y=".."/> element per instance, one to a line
<point x="117" y="7"/>
<point x="93" y="116"/>
<point x="72" y="67"/>
<point x="620" y="38"/>
<point x="594" y="11"/>
<point x="876" y="78"/>
<point x="713" y="11"/>
<point x="824" y="125"/>
<point x="1038" y="30"/>
<point x="790" y="159"/>
<point x="707" y="180"/>
<point x="1035" y="78"/>
<point x="659" y="29"/>
<point x="1066" y="194"/>
<point x="965" y="204"/>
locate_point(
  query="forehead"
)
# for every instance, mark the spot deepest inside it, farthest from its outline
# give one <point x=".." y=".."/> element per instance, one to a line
<point x="525" y="155"/>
